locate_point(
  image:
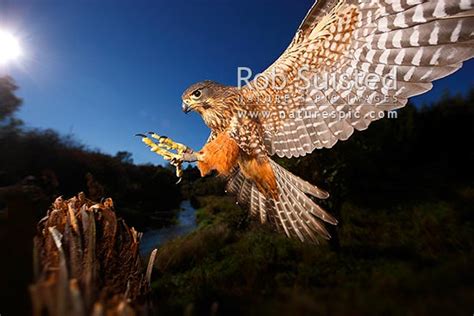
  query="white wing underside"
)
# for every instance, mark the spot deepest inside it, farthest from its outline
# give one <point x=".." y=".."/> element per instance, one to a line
<point x="422" y="40"/>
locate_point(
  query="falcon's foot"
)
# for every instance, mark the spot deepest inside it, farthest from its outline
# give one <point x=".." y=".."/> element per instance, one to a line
<point x="170" y="150"/>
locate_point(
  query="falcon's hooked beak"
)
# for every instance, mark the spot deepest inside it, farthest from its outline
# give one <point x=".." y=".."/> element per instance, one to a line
<point x="186" y="107"/>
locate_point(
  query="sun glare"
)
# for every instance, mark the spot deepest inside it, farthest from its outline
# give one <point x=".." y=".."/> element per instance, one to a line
<point x="9" y="47"/>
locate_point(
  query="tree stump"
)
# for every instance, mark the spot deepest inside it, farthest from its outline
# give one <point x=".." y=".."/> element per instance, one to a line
<point x="87" y="262"/>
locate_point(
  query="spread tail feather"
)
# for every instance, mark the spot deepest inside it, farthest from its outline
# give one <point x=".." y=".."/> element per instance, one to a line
<point x="293" y="213"/>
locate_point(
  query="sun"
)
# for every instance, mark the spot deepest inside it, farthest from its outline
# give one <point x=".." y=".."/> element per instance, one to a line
<point x="9" y="47"/>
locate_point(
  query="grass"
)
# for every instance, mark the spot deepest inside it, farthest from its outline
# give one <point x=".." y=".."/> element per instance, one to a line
<point x="403" y="260"/>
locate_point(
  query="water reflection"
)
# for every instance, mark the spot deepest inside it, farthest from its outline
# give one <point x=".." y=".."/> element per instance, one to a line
<point x="154" y="238"/>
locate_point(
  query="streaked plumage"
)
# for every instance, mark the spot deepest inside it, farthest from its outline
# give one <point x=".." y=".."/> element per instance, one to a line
<point x="424" y="40"/>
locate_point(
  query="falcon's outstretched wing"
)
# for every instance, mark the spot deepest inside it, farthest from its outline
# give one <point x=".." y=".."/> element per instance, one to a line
<point x="410" y="43"/>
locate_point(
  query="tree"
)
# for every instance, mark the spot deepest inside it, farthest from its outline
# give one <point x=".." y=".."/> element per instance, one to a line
<point x="124" y="157"/>
<point x="9" y="103"/>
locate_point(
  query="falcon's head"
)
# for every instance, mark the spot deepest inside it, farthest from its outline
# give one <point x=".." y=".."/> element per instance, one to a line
<point x="211" y="100"/>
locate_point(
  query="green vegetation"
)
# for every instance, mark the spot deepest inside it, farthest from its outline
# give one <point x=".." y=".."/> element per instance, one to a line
<point x="413" y="260"/>
<point x="403" y="192"/>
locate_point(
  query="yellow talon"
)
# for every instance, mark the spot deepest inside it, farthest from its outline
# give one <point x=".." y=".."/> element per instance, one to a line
<point x="168" y="143"/>
<point x="163" y="147"/>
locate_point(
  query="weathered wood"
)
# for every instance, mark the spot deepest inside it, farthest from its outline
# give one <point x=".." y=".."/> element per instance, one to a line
<point x="87" y="262"/>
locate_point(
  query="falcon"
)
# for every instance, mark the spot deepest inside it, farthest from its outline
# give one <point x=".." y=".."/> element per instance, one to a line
<point x="348" y="64"/>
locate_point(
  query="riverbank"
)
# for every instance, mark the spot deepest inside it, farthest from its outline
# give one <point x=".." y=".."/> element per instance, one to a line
<point x="399" y="260"/>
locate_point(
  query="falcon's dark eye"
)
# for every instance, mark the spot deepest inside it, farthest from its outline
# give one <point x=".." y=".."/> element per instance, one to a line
<point x="197" y="93"/>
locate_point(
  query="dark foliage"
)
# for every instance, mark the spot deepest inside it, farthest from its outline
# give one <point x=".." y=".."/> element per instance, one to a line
<point x="9" y="103"/>
<point x="398" y="260"/>
<point x="403" y="192"/>
<point x="58" y="165"/>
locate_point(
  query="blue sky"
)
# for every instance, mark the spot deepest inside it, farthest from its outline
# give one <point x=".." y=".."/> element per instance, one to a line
<point x="105" y="70"/>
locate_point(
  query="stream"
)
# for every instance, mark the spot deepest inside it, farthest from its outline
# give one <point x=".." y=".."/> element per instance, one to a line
<point x="186" y="223"/>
